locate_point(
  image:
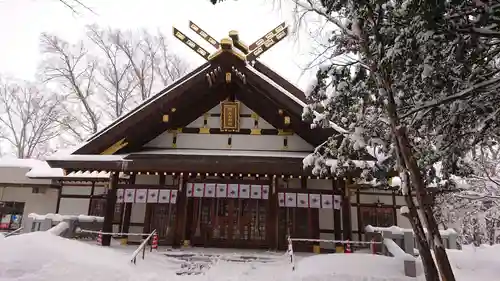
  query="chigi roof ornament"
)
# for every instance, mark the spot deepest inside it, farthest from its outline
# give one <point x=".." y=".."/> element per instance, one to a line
<point x="233" y="43"/>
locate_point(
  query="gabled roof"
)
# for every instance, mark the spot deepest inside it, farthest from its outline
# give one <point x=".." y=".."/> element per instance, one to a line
<point x="191" y="96"/>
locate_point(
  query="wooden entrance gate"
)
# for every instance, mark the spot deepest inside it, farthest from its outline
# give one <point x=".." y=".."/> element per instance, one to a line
<point x="227" y="215"/>
<point x="228" y="222"/>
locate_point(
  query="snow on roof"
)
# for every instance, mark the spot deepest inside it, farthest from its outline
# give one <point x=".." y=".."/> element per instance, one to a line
<point x="148" y="102"/>
<point x="21" y="163"/>
<point x="227" y="152"/>
<point x="86" y="157"/>
<point x="45" y="172"/>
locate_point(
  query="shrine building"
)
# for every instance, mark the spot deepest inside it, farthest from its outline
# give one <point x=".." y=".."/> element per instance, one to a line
<point x="216" y="160"/>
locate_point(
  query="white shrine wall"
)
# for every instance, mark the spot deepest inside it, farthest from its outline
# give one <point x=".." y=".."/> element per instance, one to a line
<point x="238" y="142"/>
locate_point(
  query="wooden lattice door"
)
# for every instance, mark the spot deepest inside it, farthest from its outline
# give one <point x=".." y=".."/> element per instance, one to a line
<point x="229" y="222"/>
<point x="163" y="220"/>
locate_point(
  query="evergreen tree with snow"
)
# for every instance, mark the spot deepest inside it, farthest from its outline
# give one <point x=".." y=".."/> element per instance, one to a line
<point x="418" y="82"/>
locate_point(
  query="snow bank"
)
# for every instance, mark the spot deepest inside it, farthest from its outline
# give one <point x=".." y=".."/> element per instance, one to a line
<point x="351" y="267"/>
<point x="396" y="251"/>
<point x="398" y="230"/>
<point x="473" y="263"/>
<point x="41" y="256"/>
<point x="59" y="228"/>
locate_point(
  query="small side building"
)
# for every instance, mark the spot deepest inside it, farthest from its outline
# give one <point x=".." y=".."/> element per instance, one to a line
<point x="21" y="195"/>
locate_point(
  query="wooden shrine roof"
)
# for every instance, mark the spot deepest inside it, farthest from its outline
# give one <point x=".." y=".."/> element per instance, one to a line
<point x="258" y="87"/>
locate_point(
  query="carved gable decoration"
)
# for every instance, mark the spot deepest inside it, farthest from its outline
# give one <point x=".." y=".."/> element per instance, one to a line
<point x="230" y="116"/>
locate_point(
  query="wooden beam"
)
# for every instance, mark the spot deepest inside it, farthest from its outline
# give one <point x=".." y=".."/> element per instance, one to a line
<point x="191" y="44"/>
<point x="267" y="44"/>
<point x="268" y="35"/>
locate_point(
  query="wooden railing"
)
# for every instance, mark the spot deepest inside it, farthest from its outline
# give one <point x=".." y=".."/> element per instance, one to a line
<point x="142" y="248"/>
<point x="15" y="232"/>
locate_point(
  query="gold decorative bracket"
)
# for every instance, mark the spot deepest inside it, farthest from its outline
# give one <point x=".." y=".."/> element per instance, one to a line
<point x="115" y="147"/>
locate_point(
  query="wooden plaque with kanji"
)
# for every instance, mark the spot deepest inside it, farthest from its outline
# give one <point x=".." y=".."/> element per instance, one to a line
<point x="230" y="116"/>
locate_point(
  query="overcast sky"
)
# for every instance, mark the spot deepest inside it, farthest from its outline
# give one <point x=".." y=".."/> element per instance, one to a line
<point x="22" y="21"/>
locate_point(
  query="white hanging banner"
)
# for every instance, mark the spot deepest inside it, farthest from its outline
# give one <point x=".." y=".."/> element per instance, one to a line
<point x="221" y="190"/>
<point x="265" y="191"/>
<point x="281" y="199"/>
<point x="314" y="201"/>
<point x="164" y="196"/>
<point x="141" y="195"/>
<point x="337" y="202"/>
<point x="326" y="201"/>
<point x="291" y="199"/>
<point x="129" y="196"/>
<point x="198" y="190"/>
<point x="233" y="191"/>
<point x="256" y="191"/>
<point x="152" y="195"/>
<point x="244" y="191"/>
<point x="189" y="189"/>
<point x="119" y="195"/>
<point x="302" y="200"/>
<point x="173" y="196"/>
<point x="210" y="190"/>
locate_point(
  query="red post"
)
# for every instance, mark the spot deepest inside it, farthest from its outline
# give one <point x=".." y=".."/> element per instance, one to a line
<point x="372" y="246"/>
<point x="154" y="244"/>
<point x="348" y="247"/>
<point x="99" y="238"/>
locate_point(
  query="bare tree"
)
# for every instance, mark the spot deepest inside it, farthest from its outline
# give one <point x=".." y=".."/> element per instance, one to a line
<point x="28" y="118"/>
<point x="110" y="71"/>
<point x="73" y="5"/>
<point x="74" y="70"/>
<point x="168" y="66"/>
<point x="116" y="81"/>
<point x="141" y="54"/>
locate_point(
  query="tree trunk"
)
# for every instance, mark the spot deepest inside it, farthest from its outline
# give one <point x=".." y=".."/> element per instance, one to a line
<point x="407" y="162"/>
<point x="442" y="260"/>
<point x="430" y="269"/>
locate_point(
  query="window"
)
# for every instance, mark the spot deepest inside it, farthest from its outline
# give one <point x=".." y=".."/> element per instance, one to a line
<point x="377" y="216"/>
<point x="11" y="215"/>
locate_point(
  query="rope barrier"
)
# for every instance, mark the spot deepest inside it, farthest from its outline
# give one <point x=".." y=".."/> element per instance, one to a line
<point x="333" y="241"/>
<point x="113" y="233"/>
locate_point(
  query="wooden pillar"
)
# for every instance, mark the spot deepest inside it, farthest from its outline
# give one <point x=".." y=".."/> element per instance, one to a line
<point x="346" y="212"/>
<point x="337" y="223"/>
<point x="358" y="215"/>
<point x="92" y="190"/>
<point x="148" y="214"/>
<point x="272" y="216"/>
<point x="181" y="211"/>
<point x="110" y="208"/>
<point x="128" y="210"/>
<point x="394" y="208"/>
<point x="58" y="204"/>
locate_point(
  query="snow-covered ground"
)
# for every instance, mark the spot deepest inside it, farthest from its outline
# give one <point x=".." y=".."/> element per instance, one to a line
<point x="43" y="256"/>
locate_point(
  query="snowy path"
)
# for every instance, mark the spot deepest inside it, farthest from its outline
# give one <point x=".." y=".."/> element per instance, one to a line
<point x="45" y="257"/>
